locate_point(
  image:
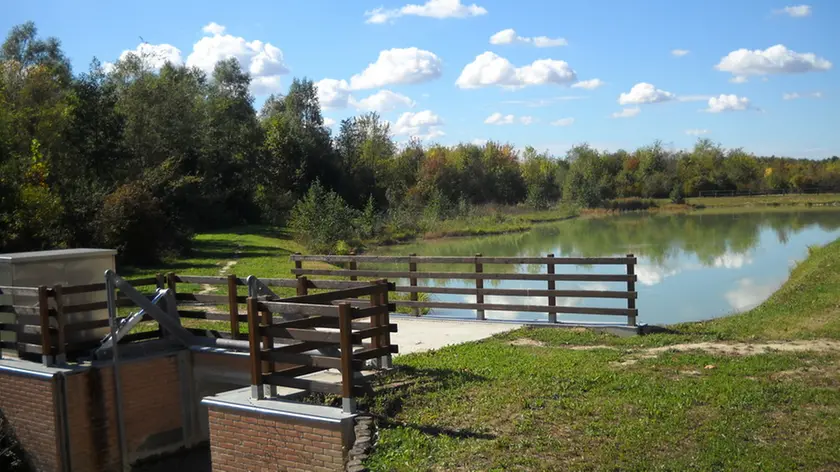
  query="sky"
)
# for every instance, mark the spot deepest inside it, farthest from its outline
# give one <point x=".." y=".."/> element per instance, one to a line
<point x="756" y="74"/>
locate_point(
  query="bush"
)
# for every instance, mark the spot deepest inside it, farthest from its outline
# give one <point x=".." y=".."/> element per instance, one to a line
<point x="677" y="195"/>
<point x="630" y="204"/>
<point x="321" y="218"/>
<point x="133" y="222"/>
<point x="12" y="458"/>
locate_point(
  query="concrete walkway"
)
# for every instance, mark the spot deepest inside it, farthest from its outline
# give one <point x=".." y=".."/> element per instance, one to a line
<point x="426" y="334"/>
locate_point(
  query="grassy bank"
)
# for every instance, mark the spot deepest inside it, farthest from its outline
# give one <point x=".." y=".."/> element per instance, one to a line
<point x="709" y="397"/>
<point x="766" y="200"/>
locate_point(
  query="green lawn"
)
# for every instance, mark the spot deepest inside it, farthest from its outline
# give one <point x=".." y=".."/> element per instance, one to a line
<point x="557" y="399"/>
<point x="768" y="200"/>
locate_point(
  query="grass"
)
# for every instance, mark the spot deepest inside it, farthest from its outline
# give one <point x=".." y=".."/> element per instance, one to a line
<point x="766" y="200"/>
<point x="528" y="401"/>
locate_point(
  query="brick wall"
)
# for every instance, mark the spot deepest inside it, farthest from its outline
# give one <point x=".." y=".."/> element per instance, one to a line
<point x="151" y="399"/>
<point x="27" y="403"/>
<point x="255" y="442"/>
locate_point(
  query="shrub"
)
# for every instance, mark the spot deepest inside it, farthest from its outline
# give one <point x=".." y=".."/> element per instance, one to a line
<point x="677" y="195"/>
<point x="630" y="204"/>
<point x="133" y="222"/>
<point x="12" y="458"/>
<point x="321" y="218"/>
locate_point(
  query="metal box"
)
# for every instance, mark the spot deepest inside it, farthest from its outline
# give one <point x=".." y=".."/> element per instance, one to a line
<point x="65" y="267"/>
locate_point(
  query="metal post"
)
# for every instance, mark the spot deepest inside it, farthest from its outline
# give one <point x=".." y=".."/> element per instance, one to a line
<point x="61" y="318"/>
<point x="345" y="320"/>
<point x="46" y="338"/>
<point x="233" y="306"/>
<point x="254" y="345"/>
<point x="552" y="300"/>
<point x="386" y="321"/>
<point x="110" y="292"/>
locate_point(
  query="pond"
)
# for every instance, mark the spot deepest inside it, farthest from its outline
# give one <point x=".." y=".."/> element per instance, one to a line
<point x="691" y="267"/>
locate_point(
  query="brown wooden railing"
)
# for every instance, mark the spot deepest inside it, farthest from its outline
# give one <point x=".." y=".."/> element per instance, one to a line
<point x="479" y="275"/>
<point x="283" y="365"/>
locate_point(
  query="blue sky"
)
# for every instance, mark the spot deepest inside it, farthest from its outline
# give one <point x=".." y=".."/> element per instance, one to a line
<point x="431" y="69"/>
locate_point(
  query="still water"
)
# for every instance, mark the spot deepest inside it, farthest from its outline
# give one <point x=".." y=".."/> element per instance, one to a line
<point x="690" y="267"/>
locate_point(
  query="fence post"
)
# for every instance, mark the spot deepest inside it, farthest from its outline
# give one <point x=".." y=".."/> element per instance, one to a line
<point x="552" y="300"/>
<point x="46" y="339"/>
<point x="61" y="319"/>
<point x="386" y="321"/>
<point x="298" y="264"/>
<point x="353" y="266"/>
<point x="479" y="286"/>
<point x="302" y="287"/>
<point x="173" y="289"/>
<point x="254" y="348"/>
<point x="160" y="284"/>
<point x="233" y="305"/>
<point x="375" y="322"/>
<point x="631" y="287"/>
<point x="267" y="346"/>
<point x="345" y="318"/>
<point x="412" y="281"/>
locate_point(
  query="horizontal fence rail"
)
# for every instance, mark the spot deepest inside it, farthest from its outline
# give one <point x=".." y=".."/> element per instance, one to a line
<point x="477" y="275"/>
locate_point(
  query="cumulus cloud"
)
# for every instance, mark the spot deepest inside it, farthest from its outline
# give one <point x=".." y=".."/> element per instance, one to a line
<point x="527" y="120"/>
<point x="499" y="119"/>
<point x="490" y="69"/>
<point x="263" y="61"/>
<point x="384" y="101"/>
<point x="739" y="79"/>
<point x="696" y="132"/>
<point x="693" y="98"/>
<point x="795" y="11"/>
<point x="329" y="122"/>
<point x="563" y="122"/>
<point x="728" y="103"/>
<point x="479" y="141"/>
<point x="438" y="9"/>
<point x="509" y="36"/>
<point x="590" y="84"/>
<point x="644" y="93"/>
<point x="423" y="125"/>
<point x="731" y="260"/>
<point x="796" y="95"/>
<point x="398" y="66"/>
<point x="749" y="294"/>
<point x="213" y="28"/>
<point x="333" y="93"/>
<point x="627" y="112"/>
<point x="774" y="60"/>
<point x="679" y="52"/>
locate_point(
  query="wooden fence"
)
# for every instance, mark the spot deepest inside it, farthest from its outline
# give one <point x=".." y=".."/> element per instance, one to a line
<point x="42" y="322"/>
<point x="478" y="276"/>
<point x="281" y="366"/>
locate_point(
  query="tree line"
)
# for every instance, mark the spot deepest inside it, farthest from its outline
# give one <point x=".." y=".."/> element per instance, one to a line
<point x="139" y="159"/>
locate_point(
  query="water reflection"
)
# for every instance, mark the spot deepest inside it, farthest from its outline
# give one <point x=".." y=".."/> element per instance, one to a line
<point x="691" y="267"/>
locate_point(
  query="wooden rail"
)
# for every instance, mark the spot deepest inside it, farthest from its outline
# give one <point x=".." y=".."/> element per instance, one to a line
<point x="478" y="274"/>
<point x="314" y="322"/>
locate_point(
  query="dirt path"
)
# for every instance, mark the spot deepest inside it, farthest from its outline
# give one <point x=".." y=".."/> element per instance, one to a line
<point x="207" y="289"/>
<point x="719" y="348"/>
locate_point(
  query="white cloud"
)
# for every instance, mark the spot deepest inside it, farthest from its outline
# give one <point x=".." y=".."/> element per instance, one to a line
<point x="795" y="95"/>
<point x="155" y="55"/>
<point x="679" y="52"/>
<point x="774" y="60"/>
<point x="490" y="69"/>
<point x="384" y="101"/>
<point x="590" y="84"/>
<point x="696" y="132"/>
<point x="730" y="260"/>
<point x="329" y="122"/>
<point x="563" y="122"/>
<point x="644" y="93"/>
<point x="479" y="141"/>
<point x="213" y="28"/>
<point x="728" y="103"/>
<point x="499" y="119"/>
<point x="527" y="120"/>
<point x="333" y="93"/>
<point x="439" y="9"/>
<point x="739" y="79"/>
<point x="422" y="125"/>
<point x="398" y="66"/>
<point x="263" y="61"/>
<point x="509" y="36"/>
<point x="795" y="11"/>
<point x="693" y="98"/>
<point x="652" y="275"/>
<point x="627" y="112"/>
